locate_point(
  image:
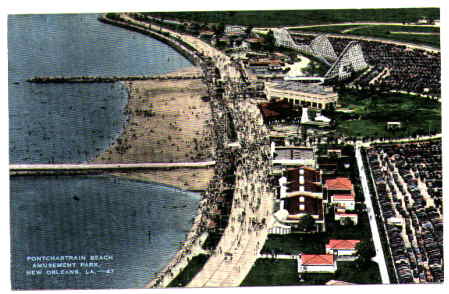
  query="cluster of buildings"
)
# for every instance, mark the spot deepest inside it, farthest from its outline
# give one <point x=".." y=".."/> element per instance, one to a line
<point x="303" y="190"/>
<point x="336" y="250"/>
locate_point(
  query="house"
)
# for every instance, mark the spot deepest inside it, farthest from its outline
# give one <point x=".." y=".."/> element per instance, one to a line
<point x="316" y="263"/>
<point x="346" y="201"/>
<point x="342" y="248"/>
<point x="341" y="216"/>
<point x="339" y="185"/>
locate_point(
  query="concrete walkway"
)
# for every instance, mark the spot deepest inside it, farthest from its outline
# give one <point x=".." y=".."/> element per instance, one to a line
<point x="380" y="256"/>
<point x="106" y="166"/>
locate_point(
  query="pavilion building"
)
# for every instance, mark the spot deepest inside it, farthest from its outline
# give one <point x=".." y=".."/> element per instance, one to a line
<point x="303" y="94"/>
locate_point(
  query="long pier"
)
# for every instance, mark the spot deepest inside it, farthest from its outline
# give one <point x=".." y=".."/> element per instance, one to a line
<point x="51" y="169"/>
<point x="101" y="79"/>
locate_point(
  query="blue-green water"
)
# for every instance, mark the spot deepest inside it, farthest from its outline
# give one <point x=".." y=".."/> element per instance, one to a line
<point x="73" y="122"/>
<point x="138" y="225"/>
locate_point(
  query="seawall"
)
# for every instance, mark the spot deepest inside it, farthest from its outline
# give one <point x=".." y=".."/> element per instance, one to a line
<point x="184" y="49"/>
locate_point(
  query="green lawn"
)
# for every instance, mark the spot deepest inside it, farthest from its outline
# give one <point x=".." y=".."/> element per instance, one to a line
<point x="348" y="272"/>
<point x="272" y="272"/>
<point x="194" y="266"/>
<point x="268" y="18"/>
<point x="373" y="111"/>
<point x="268" y="272"/>
<point x="294" y="243"/>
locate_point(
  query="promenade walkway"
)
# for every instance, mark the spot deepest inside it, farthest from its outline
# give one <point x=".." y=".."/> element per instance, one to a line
<point x="380" y="256"/>
<point x="251" y="211"/>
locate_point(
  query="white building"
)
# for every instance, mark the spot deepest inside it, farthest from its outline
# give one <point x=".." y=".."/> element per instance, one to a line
<point x="342" y="248"/>
<point x="352" y="216"/>
<point x="343" y="201"/>
<point x="313" y="95"/>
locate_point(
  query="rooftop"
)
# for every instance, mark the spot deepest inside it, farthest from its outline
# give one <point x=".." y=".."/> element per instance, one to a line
<point x="342" y="244"/>
<point x="317" y="259"/>
<point x="312" y="88"/>
<point x="339" y="184"/>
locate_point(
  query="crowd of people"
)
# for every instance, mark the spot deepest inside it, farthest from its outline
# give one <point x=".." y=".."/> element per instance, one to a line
<point x="408" y="181"/>
<point x="237" y="202"/>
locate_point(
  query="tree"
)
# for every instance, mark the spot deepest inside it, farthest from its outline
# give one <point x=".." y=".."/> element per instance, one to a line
<point x="306" y="223"/>
<point x="365" y="251"/>
<point x="219" y="29"/>
<point x="347" y="221"/>
<point x="270" y="41"/>
<point x="248" y="30"/>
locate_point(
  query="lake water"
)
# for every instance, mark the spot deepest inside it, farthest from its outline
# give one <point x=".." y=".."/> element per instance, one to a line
<point x="135" y="227"/>
<point x="73" y="122"/>
<point x="139" y="225"/>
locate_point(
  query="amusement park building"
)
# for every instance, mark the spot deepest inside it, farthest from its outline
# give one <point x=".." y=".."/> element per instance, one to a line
<point x="312" y="95"/>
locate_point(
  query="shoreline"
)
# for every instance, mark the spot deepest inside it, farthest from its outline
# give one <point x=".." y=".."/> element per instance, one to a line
<point x="167" y="178"/>
<point x="166" y="122"/>
<point x="192" y="244"/>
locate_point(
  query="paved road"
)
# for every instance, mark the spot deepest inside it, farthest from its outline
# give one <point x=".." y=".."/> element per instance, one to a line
<point x="380" y="256"/>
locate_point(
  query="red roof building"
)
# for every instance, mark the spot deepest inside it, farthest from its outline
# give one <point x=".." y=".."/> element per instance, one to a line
<point x="316" y="263"/>
<point x="342" y="244"/>
<point x="339" y="184"/>
<point x="342" y="247"/>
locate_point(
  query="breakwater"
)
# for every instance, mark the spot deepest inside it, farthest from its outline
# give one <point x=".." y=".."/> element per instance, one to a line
<point x="100" y="79"/>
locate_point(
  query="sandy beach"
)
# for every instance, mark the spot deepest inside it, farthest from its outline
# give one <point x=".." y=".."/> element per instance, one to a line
<point x="168" y="121"/>
<point x="192" y="179"/>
